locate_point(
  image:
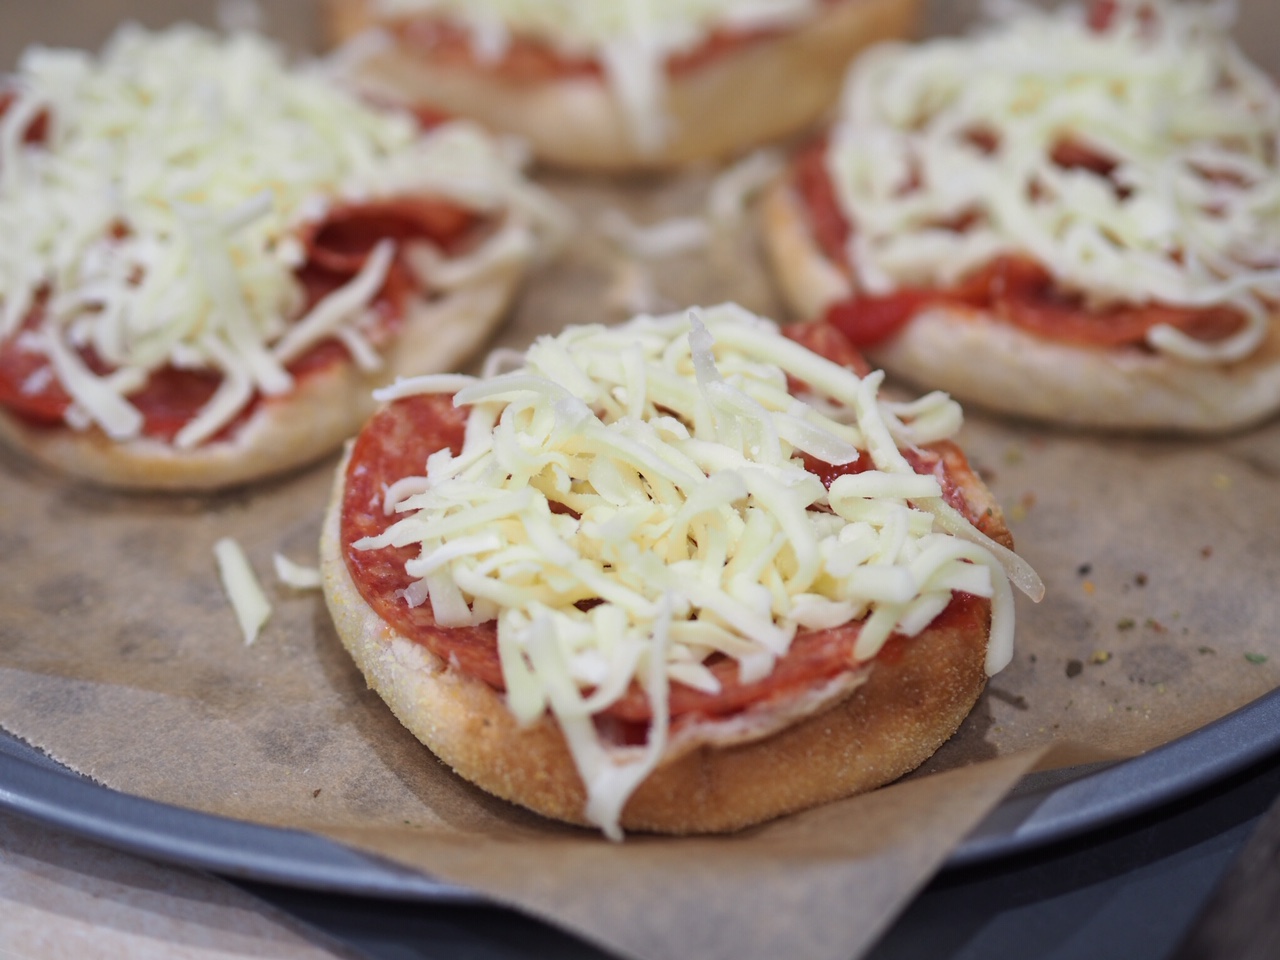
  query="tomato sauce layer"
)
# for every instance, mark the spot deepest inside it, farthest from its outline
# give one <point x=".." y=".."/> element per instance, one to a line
<point x="1016" y="289"/>
<point x="396" y="443"/>
<point x="337" y="247"/>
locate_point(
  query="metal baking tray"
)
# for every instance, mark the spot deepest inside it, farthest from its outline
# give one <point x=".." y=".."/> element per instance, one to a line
<point x="1044" y="809"/>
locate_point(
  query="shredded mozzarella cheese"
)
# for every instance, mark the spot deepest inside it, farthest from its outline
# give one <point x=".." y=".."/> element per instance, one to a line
<point x="157" y="221"/>
<point x="294" y="574"/>
<point x="252" y="609"/>
<point x="629" y="500"/>
<point x="632" y="40"/>
<point x="965" y="131"/>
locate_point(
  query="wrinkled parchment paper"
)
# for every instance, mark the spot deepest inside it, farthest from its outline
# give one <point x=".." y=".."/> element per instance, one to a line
<point x="120" y="656"/>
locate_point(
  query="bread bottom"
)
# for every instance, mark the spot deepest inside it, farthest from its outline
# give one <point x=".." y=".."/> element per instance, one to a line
<point x="742" y="98"/>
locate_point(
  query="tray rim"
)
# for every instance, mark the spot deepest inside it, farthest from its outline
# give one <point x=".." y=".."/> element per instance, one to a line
<point x="1045" y="809"/>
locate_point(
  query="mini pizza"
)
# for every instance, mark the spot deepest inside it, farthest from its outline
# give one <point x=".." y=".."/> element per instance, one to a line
<point x="619" y="86"/>
<point x="681" y="575"/>
<point x="1070" y="216"/>
<point x="210" y="260"/>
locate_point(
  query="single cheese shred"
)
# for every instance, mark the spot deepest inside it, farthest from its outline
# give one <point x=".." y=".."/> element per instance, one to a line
<point x="251" y="606"/>
<point x="629" y="501"/>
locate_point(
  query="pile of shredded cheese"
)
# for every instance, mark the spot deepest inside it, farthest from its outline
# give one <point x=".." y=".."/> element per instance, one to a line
<point x="159" y="219"/>
<point x="965" y="129"/>
<point x="631" y="39"/>
<point x="670" y="450"/>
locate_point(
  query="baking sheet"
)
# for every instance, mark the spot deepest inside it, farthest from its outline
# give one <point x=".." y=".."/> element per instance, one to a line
<point x="120" y="657"/>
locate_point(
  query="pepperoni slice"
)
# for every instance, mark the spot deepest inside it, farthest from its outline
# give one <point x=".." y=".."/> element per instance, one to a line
<point x="1014" y="288"/>
<point x="826" y="341"/>
<point x="396" y="443"/>
<point x="38" y="130"/>
<point x="815" y="657"/>
<point x="337" y="248"/>
<point x="27" y="384"/>
<point x="343" y="239"/>
<point x="867" y="321"/>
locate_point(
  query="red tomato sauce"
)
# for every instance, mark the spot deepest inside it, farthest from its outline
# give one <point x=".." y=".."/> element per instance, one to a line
<point x="396" y="443"/>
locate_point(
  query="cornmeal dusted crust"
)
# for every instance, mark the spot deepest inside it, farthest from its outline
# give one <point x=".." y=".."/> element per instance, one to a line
<point x="743" y="97"/>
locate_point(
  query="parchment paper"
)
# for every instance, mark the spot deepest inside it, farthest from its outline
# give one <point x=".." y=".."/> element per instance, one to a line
<point x="120" y="656"/>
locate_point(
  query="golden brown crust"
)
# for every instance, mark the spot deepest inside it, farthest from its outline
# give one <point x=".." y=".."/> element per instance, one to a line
<point x="724" y="107"/>
<point x="289" y="431"/>
<point x="980" y="359"/>
<point x="894" y="716"/>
